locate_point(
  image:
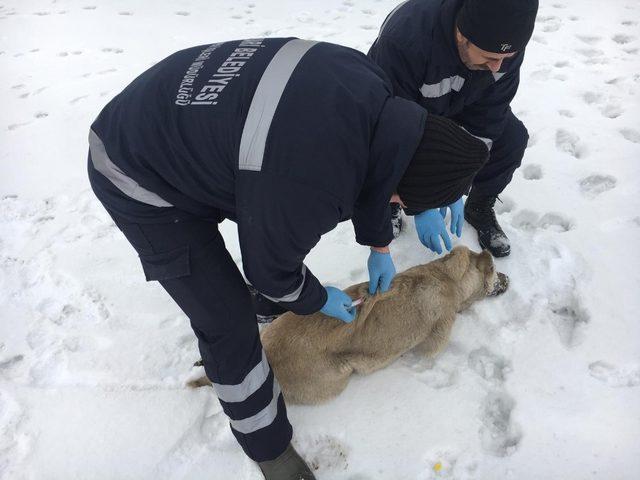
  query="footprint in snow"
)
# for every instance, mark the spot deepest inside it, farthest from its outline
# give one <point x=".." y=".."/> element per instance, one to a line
<point x="594" y="185"/>
<point x="324" y="452"/>
<point x="15" y="126"/>
<point x="624" y="376"/>
<point x="498" y="434"/>
<point x="112" y="50"/>
<point x="183" y="13"/>
<point x="570" y="143"/>
<point x="505" y="205"/>
<point x="631" y="135"/>
<point x="77" y="99"/>
<point x="539" y="39"/>
<point x="490" y="366"/>
<point x="125" y="13"/>
<point x="568" y="316"/>
<point x="8" y="364"/>
<point x="612" y="110"/>
<point x="590" y="53"/>
<point x="592" y="97"/>
<point x="529" y="220"/>
<point x="623" y="38"/>
<point x="550" y="23"/>
<point x="629" y="23"/>
<point x="532" y="172"/>
<point x="566" y="113"/>
<point x="430" y="372"/>
<point x="589" y="39"/>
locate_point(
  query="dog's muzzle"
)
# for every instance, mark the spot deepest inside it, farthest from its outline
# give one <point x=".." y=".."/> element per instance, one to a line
<point x="500" y="286"/>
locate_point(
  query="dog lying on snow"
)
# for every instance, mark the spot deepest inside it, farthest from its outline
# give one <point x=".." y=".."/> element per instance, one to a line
<point x="313" y="356"/>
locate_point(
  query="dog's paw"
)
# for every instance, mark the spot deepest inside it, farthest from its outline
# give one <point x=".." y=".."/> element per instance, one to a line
<point x="500" y="285"/>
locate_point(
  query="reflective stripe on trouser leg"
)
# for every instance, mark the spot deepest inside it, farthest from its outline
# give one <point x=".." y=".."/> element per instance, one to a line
<point x="251" y="404"/>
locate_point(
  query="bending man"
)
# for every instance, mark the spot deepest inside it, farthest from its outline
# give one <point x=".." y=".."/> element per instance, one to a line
<point x="287" y="138"/>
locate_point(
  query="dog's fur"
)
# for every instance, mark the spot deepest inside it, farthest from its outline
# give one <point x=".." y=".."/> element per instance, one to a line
<point x="313" y="356"/>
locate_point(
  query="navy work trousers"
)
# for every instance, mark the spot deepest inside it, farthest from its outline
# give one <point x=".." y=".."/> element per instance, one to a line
<point x="189" y="259"/>
<point x="504" y="158"/>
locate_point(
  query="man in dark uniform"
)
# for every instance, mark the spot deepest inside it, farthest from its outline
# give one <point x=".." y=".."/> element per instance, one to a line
<point x="461" y="59"/>
<point x="287" y="138"/>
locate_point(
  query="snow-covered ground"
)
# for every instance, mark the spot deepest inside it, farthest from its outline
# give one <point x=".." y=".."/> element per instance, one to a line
<point x="543" y="382"/>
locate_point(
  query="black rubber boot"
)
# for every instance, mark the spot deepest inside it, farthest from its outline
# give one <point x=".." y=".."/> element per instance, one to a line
<point x="396" y="219"/>
<point x="288" y="466"/>
<point x="479" y="213"/>
<point x="266" y="310"/>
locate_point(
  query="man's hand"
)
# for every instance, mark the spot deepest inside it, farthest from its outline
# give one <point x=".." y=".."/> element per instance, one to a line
<point x="381" y="269"/>
<point x="457" y="216"/>
<point x="338" y="305"/>
<point x="430" y="228"/>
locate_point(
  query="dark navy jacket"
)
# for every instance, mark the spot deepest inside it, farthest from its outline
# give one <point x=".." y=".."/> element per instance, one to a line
<point x="185" y="136"/>
<point x="416" y="48"/>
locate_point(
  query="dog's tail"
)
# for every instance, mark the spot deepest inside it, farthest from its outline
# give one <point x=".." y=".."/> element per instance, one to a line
<point x="203" y="381"/>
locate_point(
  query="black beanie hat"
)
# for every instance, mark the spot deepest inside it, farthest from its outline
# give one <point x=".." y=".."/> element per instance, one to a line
<point x="443" y="166"/>
<point x="498" y="26"/>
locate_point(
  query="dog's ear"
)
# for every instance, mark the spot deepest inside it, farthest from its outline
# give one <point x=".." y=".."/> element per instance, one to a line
<point x="457" y="262"/>
<point x="485" y="262"/>
<point x="487" y="267"/>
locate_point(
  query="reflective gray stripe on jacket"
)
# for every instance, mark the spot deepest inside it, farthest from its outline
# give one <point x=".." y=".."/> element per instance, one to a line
<point x="487" y="141"/>
<point x="293" y="296"/>
<point x="103" y="164"/>
<point x="265" y="101"/>
<point x="443" y="87"/>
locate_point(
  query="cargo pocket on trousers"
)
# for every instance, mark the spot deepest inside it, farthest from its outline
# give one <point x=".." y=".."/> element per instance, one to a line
<point x="166" y="265"/>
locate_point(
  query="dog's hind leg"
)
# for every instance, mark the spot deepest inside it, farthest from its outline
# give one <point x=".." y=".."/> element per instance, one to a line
<point x="437" y="338"/>
<point x="365" y="364"/>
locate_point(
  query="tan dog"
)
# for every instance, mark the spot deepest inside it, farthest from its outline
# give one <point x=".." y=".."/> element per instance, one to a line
<point x="313" y="356"/>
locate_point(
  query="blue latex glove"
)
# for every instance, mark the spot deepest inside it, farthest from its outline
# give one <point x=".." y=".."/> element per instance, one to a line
<point x="381" y="271"/>
<point x="457" y="216"/>
<point x="430" y="227"/>
<point x="338" y="305"/>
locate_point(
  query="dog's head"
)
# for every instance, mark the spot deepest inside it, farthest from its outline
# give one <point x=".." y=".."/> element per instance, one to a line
<point x="475" y="273"/>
